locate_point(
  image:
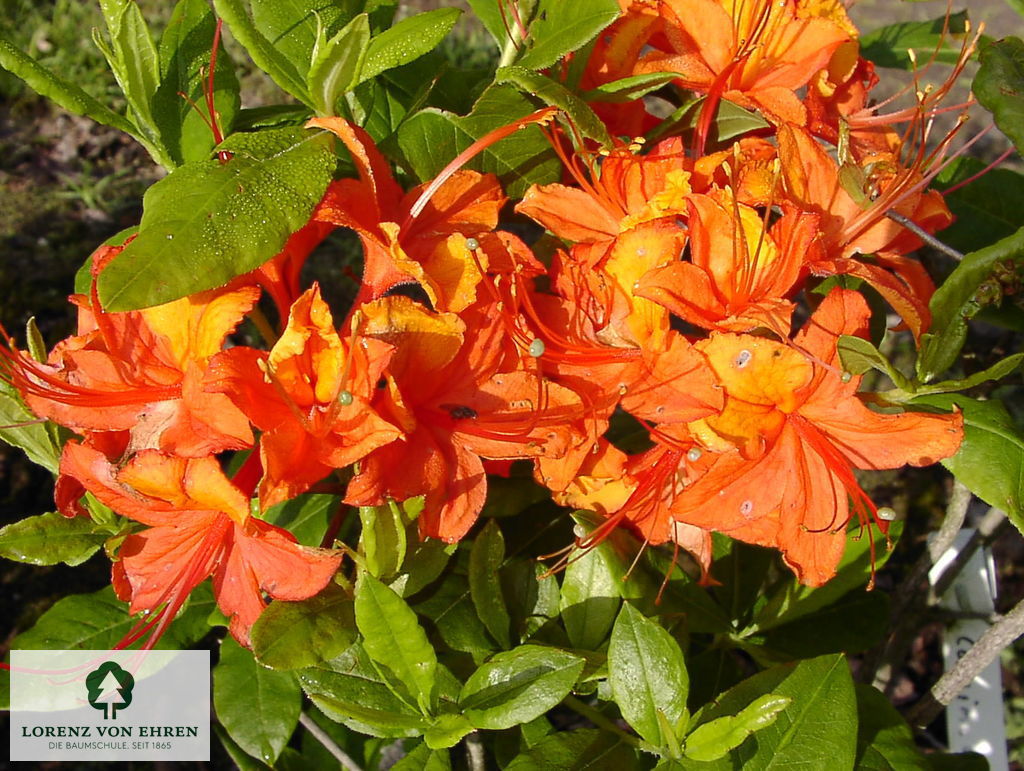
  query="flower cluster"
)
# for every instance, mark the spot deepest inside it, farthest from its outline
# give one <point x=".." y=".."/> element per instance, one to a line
<point x="678" y="292"/>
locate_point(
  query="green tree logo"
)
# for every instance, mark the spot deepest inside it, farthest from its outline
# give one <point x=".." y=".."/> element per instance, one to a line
<point x="110" y="688"/>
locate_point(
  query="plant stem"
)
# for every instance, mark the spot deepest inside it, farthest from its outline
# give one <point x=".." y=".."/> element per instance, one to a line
<point x="980" y="655"/>
<point x="595" y="717"/>
<point x="321" y="736"/>
<point x="475" y="758"/>
<point x="924" y="235"/>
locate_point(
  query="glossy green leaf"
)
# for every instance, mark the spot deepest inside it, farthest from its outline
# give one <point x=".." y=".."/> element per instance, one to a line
<point x="485" y="560"/>
<point x="990" y="461"/>
<point x="859" y="355"/>
<point x="257" y="706"/>
<point x="490" y="14"/>
<point x="631" y="88"/>
<point x="383" y="541"/>
<point x="292" y="26"/>
<point x="555" y="94"/>
<point x="350" y="690"/>
<point x="132" y="56"/>
<point x="432" y="137"/>
<point x="999" y="86"/>
<point x="449" y="606"/>
<point x="307" y="517"/>
<point x="242" y="760"/>
<point x="559" y="27"/>
<point x="829" y="630"/>
<point x="519" y="685"/>
<point x="582" y="749"/>
<point x="647" y="675"/>
<point x="447" y="730"/>
<point x="887" y="46"/>
<point x="971" y="286"/>
<point x="185" y="48"/>
<point x="989" y="208"/>
<point x="884" y="740"/>
<point x="997" y="371"/>
<point x="263" y="52"/>
<point x="22" y="429"/>
<point x="715" y="739"/>
<point x="207" y="222"/>
<point x="422" y="758"/>
<point x="48" y="539"/>
<point x="730" y="121"/>
<point x="423" y="564"/>
<point x="337" y="64"/>
<point x="67" y="95"/>
<point x="293" y="635"/>
<point x="408" y="40"/>
<point x="590" y="599"/>
<point x="394" y="639"/>
<point x="99" y="621"/>
<point x="817" y="730"/>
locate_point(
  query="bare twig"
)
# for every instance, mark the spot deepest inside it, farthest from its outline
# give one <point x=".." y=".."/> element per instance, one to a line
<point x="979" y="656"/>
<point x="475" y="758"/>
<point x="329" y="744"/>
<point x="924" y="235"/>
<point x="878" y="667"/>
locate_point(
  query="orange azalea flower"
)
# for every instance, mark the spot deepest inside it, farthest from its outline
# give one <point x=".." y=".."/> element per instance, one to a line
<point x="784" y="448"/>
<point x="400" y="247"/>
<point x="740" y="271"/>
<point x="310" y="396"/>
<point x="625" y="190"/>
<point x="445" y="390"/>
<point x="140" y="371"/>
<point x="755" y="53"/>
<point x="198" y="525"/>
<point x="850" y="227"/>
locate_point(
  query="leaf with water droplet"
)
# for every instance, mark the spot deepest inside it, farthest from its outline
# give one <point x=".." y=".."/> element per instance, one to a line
<point x="225" y="218"/>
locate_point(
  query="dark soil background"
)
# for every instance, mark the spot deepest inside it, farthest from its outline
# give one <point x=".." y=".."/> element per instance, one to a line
<point x="67" y="184"/>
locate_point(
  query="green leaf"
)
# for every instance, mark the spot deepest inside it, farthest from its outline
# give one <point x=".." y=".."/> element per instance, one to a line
<point x="887" y="47"/>
<point x="257" y="706"/>
<point x="730" y="121"/>
<point x="631" y="88"/>
<point x="447" y="730"/>
<point x="999" y="86"/>
<point x="519" y="685"/>
<point x="859" y="355"/>
<point x="987" y="209"/>
<point x="997" y="371"/>
<point x="349" y="689"/>
<point x="307" y="517"/>
<point x="582" y="749"/>
<point x="96" y="621"/>
<point x="555" y="94"/>
<point x="559" y="27"/>
<point x="383" y="541"/>
<point x="132" y="56"/>
<point x="817" y="730"/>
<point x="422" y="758"/>
<point x="51" y="538"/>
<point x="293" y="635"/>
<point x="293" y="26"/>
<point x="959" y="298"/>
<point x="408" y="40"/>
<point x="22" y="429"/>
<point x="66" y="95"/>
<point x="450" y="607"/>
<point x="485" y="560"/>
<point x="590" y="599"/>
<point x="990" y="461"/>
<point x="338" y="64"/>
<point x="884" y="740"/>
<point x="263" y="52"/>
<point x="647" y="675"/>
<point x="240" y="757"/>
<point x="422" y="566"/>
<point x="394" y="639"/>
<point x="829" y="630"/>
<point x="185" y="48"/>
<point x="431" y="137"/>
<point x="715" y="739"/>
<point x="207" y="222"/>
